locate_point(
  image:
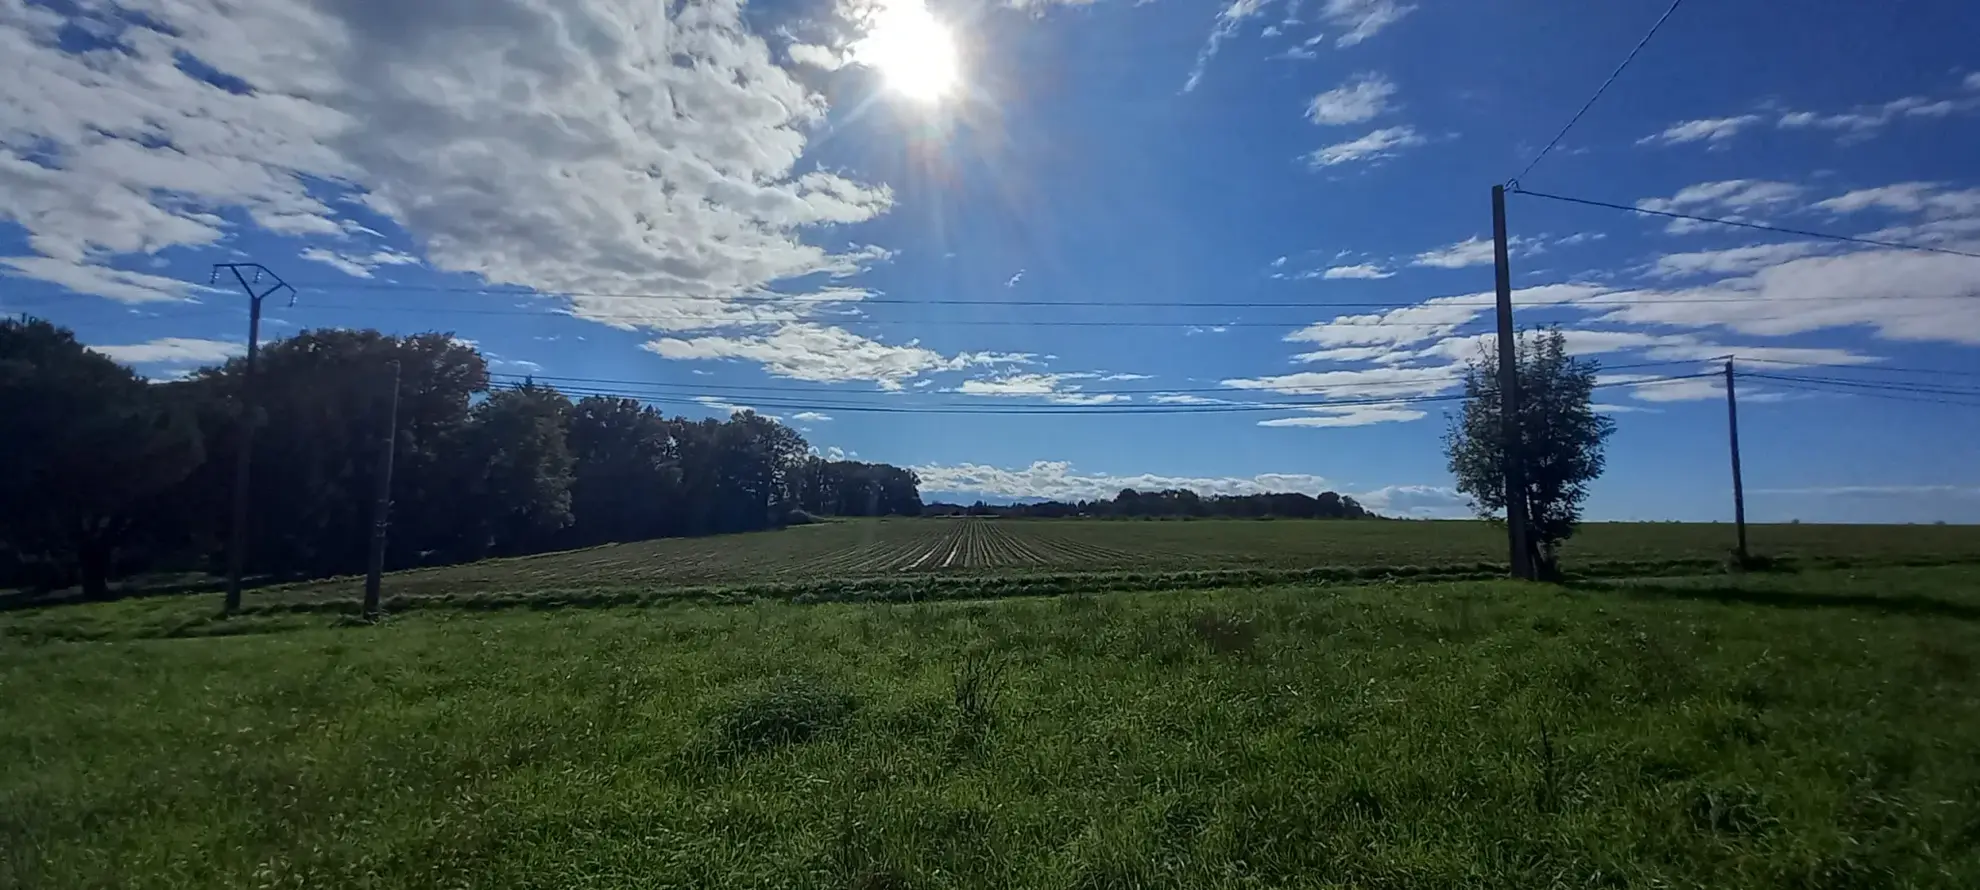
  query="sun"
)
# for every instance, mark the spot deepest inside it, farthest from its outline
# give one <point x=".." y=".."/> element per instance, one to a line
<point x="913" y="51"/>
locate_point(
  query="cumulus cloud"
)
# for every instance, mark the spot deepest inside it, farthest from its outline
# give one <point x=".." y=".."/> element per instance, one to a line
<point x="1057" y="480"/>
<point x="593" y="146"/>
<point x="1361" y="98"/>
<point x="1709" y="130"/>
<point x="811" y="416"/>
<point x="172" y="350"/>
<point x="1379" y="144"/>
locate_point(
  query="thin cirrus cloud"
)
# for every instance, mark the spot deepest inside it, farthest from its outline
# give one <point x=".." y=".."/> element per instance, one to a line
<point x="1354" y="21"/>
<point x="1379" y="144"/>
<point x="1714" y="131"/>
<point x="1360" y="99"/>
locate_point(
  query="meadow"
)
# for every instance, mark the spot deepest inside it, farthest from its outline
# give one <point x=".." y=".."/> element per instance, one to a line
<point x="1810" y="729"/>
<point x="903" y="558"/>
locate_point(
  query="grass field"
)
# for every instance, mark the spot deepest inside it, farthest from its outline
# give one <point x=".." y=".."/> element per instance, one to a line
<point x="1813" y="730"/>
<point x="922" y="552"/>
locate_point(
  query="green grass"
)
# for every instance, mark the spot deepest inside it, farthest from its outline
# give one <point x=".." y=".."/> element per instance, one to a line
<point x="1810" y="730"/>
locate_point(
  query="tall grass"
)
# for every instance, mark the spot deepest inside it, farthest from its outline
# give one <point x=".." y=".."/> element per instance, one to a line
<point x="1810" y="730"/>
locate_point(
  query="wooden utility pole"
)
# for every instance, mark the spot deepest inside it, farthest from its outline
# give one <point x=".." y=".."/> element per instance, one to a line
<point x="382" y="510"/>
<point x="237" y="538"/>
<point x="1739" y="488"/>
<point x="1515" y="476"/>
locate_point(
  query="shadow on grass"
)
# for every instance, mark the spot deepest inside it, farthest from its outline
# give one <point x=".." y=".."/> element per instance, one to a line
<point x="1893" y="604"/>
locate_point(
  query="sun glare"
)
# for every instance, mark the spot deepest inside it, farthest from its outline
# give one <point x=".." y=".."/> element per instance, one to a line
<point x="913" y="51"/>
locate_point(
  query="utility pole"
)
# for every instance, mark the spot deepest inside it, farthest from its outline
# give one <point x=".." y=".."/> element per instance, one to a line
<point x="237" y="539"/>
<point x="1515" y="476"/>
<point x="1739" y="488"/>
<point x="382" y="510"/>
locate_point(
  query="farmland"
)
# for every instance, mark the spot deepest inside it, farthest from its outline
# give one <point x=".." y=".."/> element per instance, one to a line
<point x="963" y="551"/>
<point x="1786" y="730"/>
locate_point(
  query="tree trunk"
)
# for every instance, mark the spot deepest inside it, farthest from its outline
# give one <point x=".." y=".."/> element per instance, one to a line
<point x="93" y="564"/>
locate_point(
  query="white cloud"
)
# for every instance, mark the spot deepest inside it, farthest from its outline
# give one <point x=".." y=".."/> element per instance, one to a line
<point x="1360" y="270"/>
<point x="1227" y="24"/>
<point x="1183" y="398"/>
<point x="1624" y="409"/>
<point x="172" y="350"/>
<point x="1361" y="98"/>
<point x="811" y="417"/>
<point x="1363" y="18"/>
<point x="1014" y="279"/>
<point x="1279" y="263"/>
<point x="1350" y="354"/>
<point x="1710" y="130"/>
<point x="1734" y="260"/>
<point x="719" y="404"/>
<point x="358" y="265"/>
<point x="1972" y="81"/>
<point x="591" y="146"/>
<point x="1864" y="122"/>
<point x="1931" y="198"/>
<point x="1057" y="480"/>
<point x="1423" y="501"/>
<point x="1469" y="252"/>
<point x="1053" y="388"/>
<point x="822" y="57"/>
<point x="1348" y="415"/>
<point x="817" y="352"/>
<point x="1374" y="146"/>
<point x="91" y="277"/>
<point x="1359" y="383"/>
<point x="1725" y="198"/>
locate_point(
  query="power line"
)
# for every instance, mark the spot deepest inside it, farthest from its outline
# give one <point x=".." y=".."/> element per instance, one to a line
<point x="1804" y="233"/>
<point x="1881" y="368"/>
<point x="1878" y="385"/>
<point x="1225" y="390"/>
<point x="1071" y="409"/>
<point x="1513" y="183"/>
<point x="1819" y="388"/>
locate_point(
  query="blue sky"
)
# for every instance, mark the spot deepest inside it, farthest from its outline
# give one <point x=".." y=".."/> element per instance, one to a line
<point x="1100" y="258"/>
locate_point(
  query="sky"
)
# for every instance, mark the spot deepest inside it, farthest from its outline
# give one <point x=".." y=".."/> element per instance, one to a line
<point x="1038" y="249"/>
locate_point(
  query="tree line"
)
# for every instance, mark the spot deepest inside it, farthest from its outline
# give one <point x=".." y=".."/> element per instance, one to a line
<point x="105" y="473"/>
<point x="1176" y="502"/>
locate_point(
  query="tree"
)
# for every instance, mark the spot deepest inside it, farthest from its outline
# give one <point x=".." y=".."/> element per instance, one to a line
<point x="521" y="471"/>
<point x="1560" y="441"/>
<point x="324" y="395"/>
<point x="88" y="447"/>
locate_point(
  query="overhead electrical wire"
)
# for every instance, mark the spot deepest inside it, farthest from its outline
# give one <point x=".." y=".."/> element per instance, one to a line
<point x="1073" y="409"/>
<point x="1897" y="396"/>
<point x="1226" y="390"/>
<point x="1804" y="233"/>
<point x="1513" y="183"/>
<point x="1879" y="385"/>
